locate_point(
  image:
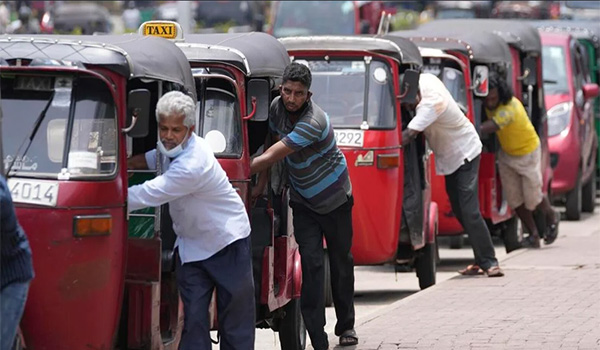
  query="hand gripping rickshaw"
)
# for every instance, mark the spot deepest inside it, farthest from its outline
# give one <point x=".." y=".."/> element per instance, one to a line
<point x="463" y="62"/>
<point x="74" y="108"/>
<point x="236" y="77"/>
<point x="362" y="83"/>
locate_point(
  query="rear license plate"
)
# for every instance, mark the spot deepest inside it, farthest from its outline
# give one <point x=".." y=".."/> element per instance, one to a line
<point x="33" y="191"/>
<point x="349" y="137"/>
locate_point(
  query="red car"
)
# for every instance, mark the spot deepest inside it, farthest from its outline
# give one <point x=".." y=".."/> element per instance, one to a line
<point x="572" y="138"/>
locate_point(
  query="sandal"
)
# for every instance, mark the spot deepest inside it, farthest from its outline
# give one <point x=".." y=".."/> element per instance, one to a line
<point x="471" y="270"/>
<point x="494" y="271"/>
<point x="348" y="338"/>
<point x="552" y="230"/>
<point x="531" y="242"/>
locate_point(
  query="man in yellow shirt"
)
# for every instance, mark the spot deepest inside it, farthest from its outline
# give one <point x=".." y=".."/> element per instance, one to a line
<point x="519" y="159"/>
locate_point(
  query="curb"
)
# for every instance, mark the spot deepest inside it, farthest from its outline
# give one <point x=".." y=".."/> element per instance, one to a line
<point x="391" y="307"/>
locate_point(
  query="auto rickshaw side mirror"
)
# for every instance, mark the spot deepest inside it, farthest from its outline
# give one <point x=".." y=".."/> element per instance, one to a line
<point x="481" y="85"/>
<point x="529" y="71"/>
<point x="138" y="111"/>
<point x="590" y="91"/>
<point x="257" y="100"/>
<point x="409" y="87"/>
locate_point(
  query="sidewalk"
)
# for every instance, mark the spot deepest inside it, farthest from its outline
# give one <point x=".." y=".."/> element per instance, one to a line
<point x="548" y="299"/>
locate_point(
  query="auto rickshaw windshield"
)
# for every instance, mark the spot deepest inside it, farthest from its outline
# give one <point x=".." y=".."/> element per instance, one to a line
<point x="80" y="117"/>
<point x="219" y="121"/>
<point x="338" y="87"/>
<point x="314" y="18"/>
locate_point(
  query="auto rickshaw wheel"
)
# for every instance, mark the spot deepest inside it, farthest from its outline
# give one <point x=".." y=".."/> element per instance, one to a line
<point x="588" y="200"/>
<point x="574" y="201"/>
<point x="292" y="331"/>
<point x="327" y="281"/>
<point x="425" y="265"/>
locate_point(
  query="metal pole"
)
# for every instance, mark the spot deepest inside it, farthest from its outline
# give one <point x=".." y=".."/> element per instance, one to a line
<point x="184" y="9"/>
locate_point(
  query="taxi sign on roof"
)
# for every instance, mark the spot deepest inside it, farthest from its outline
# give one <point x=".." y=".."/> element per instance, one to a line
<point x="164" y="29"/>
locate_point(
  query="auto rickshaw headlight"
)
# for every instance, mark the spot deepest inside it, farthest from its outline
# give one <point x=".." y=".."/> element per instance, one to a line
<point x="559" y="117"/>
<point x="388" y="161"/>
<point x="92" y="225"/>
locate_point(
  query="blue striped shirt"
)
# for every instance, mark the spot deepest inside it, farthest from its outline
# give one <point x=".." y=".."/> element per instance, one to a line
<point x="317" y="169"/>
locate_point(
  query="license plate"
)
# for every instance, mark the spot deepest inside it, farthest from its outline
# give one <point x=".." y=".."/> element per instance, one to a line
<point x="349" y="138"/>
<point x="33" y="191"/>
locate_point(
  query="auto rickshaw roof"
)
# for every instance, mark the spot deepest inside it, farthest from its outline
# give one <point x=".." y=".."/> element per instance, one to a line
<point x="481" y="47"/>
<point x="256" y="54"/>
<point x="130" y="55"/>
<point x="516" y="33"/>
<point x="401" y="49"/>
<point x="579" y="29"/>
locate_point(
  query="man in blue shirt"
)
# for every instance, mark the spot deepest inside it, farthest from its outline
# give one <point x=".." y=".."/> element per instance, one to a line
<point x="211" y="224"/>
<point x="321" y="199"/>
<point x="16" y="271"/>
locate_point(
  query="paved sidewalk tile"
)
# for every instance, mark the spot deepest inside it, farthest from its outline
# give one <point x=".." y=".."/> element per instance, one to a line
<point x="549" y="299"/>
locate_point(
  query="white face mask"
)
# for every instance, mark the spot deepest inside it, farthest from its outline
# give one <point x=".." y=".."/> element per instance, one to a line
<point x="173" y="152"/>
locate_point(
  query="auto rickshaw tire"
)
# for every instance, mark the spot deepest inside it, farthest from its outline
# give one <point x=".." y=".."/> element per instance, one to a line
<point x="510" y="234"/>
<point x="426" y="265"/>
<point x="457" y="242"/>
<point x="588" y="194"/>
<point x="574" y="201"/>
<point x="327" y="280"/>
<point x="292" y="331"/>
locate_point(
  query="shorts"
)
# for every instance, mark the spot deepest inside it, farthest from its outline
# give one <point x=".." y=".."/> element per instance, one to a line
<point x="521" y="178"/>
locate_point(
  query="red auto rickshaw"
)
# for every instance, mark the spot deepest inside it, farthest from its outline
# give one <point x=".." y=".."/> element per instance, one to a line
<point x="525" y="76"/>
<point x="462" y="62"/>
<point x="358" y="82"/>
<point x="72" y="108"/>
<point x="236" y="77"/>
<point x="293" y="18"/>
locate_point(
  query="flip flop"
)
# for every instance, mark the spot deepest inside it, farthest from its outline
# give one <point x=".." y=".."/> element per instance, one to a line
<point x="348" y="338"/>
<point x="471" y="270"/>
<point x="552" y="230"/>
<point x="494" y="271"/>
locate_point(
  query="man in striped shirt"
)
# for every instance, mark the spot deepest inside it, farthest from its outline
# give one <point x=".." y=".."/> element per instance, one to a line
<point x="321" y="199"/>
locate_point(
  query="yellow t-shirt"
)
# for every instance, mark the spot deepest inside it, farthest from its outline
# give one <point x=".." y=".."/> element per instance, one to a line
<point x="516" y="134"/>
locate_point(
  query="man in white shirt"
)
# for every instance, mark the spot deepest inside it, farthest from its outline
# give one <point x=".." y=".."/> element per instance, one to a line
<point x="212" y="227"/>
<point x="457" y="148"/>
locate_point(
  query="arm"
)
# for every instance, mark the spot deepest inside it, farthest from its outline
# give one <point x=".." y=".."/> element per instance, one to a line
<point x="408" y="135"/>
<point x="175" y="183"/>
<point x="488" y="127"/>
<point x="137" y="162"/>
<point x="272" y="155"/>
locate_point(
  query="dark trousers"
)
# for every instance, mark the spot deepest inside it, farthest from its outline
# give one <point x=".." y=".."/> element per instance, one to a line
<point x="309" y="228"/>
<point x="230" y="272"/>
<point x="462" y="189"/>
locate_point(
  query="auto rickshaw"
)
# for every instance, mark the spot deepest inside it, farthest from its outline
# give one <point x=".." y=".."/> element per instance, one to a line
<point x="293" y="18"/>
<point x="74" y="108"/>
<point x="358" y="83"/>
<point x="525" y="74"/>
<point x="236" y="77"/>
<point x="461" y="62"/>
<point x="588" y="35"/>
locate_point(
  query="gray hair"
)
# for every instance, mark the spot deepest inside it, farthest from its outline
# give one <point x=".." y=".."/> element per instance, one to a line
<point x="176" y="103"/>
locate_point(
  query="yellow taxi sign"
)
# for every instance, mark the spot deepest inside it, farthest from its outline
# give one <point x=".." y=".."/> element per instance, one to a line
<point x="164" y="29"/>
